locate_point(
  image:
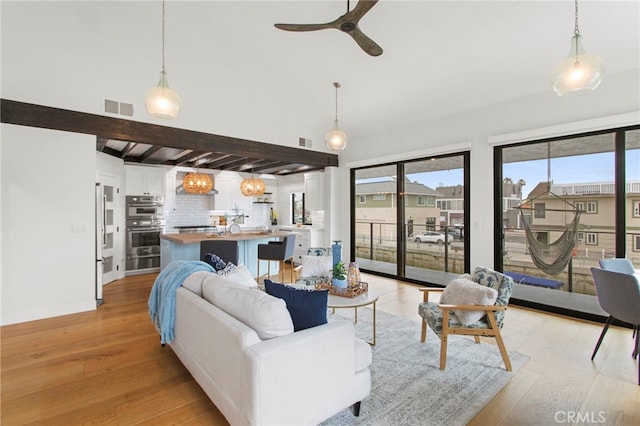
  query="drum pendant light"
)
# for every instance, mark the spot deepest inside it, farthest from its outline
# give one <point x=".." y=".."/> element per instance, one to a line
<point x="252" y="187"/>
<point x="161" y="101"/>
<point x="336" y="139"/>
<point x="580" y="72"/>
<point x="197" y="183"/>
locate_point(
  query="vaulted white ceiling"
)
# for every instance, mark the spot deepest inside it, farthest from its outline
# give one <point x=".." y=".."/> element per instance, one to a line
<point x="240" y="76"/>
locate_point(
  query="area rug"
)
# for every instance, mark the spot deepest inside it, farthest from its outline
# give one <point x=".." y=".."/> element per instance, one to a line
<point x="408" y="388"/>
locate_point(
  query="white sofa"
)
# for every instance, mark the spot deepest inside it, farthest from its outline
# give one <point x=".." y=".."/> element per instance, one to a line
<point x="300" y="378"/>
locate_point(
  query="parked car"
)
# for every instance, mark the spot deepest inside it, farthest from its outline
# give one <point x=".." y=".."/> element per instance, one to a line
<point x="431" y="237"/>
<point x="454" y="233"/>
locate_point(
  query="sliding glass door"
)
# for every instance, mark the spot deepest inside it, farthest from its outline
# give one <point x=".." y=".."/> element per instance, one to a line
<point x="409" y="217"/>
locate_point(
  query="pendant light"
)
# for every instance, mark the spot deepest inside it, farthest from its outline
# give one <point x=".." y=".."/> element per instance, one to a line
<point x="336" y="139"/>
<point x="581" y="72"/>
<point x="161" y="101"/>
<point x="197" y="183"/>
<point x="252" y="187"/>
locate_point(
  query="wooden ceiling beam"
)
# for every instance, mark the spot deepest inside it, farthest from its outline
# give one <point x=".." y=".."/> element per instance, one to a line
<point x="26" y="114"/>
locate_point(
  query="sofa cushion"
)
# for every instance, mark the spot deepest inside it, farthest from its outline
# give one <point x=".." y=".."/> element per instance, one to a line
<point x="462" y="291"/>
<point x="266" y="314"/>
<point x="316" y="266"/>
<point x="240" y="275"/>
<point x="194" y="282"/>
<point x="308" y="308"/>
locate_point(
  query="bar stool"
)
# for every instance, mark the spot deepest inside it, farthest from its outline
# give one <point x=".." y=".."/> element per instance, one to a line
<point x="226" y="250"/>
<point x="277" y="250"/>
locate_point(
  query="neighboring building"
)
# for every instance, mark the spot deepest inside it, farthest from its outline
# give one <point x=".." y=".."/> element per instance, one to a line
<point x="551" y="208"/>
<point x="376" y="203"/>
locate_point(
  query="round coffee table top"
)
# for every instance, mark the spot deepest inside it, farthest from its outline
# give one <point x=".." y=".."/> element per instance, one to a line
<point x="352" y="302"/>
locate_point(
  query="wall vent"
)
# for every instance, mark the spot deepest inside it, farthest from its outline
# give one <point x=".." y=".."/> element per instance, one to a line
<point x="304" y="142"/>
<point x="115" y="107"/>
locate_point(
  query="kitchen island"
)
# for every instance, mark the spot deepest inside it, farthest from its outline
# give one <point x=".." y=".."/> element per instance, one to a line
<point x="187" y="246"/>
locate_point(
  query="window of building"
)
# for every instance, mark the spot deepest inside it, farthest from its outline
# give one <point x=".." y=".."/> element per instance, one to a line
<point x="539" y="210"/>
<point x="421" y="200"/>
<point x="379" y="197"/>
<point x="579" y="206"/>
<point x="636" y="243"/>
<point x="592" y="207"/>
<point x="580" y="237"/>
<point x="592" y="238"/>
<point x="362" y="199"/>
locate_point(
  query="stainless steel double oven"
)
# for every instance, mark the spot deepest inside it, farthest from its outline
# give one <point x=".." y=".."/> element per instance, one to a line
<point x="145" y="224"/>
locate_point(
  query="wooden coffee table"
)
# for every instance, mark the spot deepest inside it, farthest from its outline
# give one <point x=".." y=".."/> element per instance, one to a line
<point x="368" y="298"/>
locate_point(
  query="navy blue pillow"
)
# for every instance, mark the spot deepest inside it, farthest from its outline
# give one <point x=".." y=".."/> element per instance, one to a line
<point x="307" y="308"/>
<point x="214" y="260"/>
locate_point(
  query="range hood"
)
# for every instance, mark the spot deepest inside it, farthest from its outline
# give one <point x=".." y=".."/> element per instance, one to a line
<point x="181" y="191"/>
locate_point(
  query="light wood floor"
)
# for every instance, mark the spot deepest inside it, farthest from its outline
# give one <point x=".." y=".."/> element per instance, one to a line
<point x="107" y="367"/>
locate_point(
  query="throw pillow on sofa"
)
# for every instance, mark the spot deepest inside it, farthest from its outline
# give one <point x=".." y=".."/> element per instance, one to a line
<point x="214" y="260"/>
<point x="240" y="275"/>
<point x="308" y="308"/>
<point x="266" y="315"/>
<point x="316" y="266"/>
<point x="462" y="291"/>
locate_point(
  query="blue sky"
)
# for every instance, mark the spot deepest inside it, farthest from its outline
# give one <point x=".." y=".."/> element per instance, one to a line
<point x="577" y="169"/>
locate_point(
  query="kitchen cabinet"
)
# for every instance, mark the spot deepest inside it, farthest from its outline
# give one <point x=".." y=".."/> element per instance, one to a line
<point x="305" y="239"/>
<point x="314" y="191"/>
<point x="141" y="180"/>
<point x="229" y="196"/>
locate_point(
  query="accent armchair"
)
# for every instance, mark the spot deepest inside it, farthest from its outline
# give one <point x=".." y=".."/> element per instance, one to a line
<point x="442" y="319"/>
<point x="619" y="296"/>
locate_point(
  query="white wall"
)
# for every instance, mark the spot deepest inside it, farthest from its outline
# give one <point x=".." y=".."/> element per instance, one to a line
<point x="48" y="186"/>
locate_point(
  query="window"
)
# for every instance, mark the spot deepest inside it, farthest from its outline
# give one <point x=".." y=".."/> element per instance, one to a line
<point x="539" y="210"/>
<point x="592" y="238"/>
<point x="579" y="206"/>
<point x="421" y="200"/>
<point x="580" y="237"/>
<point x="592" y="207"/>
<point x="362" y="199"/>
<point x="431" y="202"/>
<point x="379" y="197"/>
<point x="636" y="243"/>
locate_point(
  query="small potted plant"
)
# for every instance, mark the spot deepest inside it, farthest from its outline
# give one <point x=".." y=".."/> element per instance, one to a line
<point x="339" y="275"/>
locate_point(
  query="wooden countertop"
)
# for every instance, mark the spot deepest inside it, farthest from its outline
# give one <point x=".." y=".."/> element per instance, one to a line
<point x="197" y="237"/>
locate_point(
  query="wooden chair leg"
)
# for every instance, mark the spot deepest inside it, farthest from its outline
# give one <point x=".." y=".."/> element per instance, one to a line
<point x="423" y="333"/>
<point x="498" y="336"/>
<point x="443" y="351"/>
<point x="444" y="338"/>
<point x="477" y="339"/>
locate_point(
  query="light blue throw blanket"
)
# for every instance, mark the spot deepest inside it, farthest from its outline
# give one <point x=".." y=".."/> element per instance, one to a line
<point x="162" y="300"/>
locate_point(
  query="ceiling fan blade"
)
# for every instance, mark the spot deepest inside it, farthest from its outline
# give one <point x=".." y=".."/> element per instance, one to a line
<point x="303" y="27"/>
<point x="368" y="45"/>
<point x="359" y="11"/>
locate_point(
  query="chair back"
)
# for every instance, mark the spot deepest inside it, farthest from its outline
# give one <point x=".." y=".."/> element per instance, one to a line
<point x="618" y="294"/>
<point x="319" y="251"/>
<point x="289" y="245"/>
<point x="225" y="249"/>
<point x="498" y="281"/>
<point x="617" y="264"/>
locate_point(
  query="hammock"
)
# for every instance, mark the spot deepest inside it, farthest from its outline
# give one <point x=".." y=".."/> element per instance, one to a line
<point x="554" y="257"/>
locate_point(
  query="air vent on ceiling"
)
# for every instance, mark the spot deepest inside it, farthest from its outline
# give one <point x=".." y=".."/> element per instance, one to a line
<point x="305" y="142"/>
<point x="115" y="107"/>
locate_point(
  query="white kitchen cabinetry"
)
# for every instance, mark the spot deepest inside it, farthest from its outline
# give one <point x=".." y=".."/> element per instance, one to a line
<point x="314" y="191"/>
<point x="305" y="238"/>
<point x="229" y="195"/>
<point x="142" y="180"/>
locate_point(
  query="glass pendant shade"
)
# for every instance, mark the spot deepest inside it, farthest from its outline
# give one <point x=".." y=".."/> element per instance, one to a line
<point x="252" y="187"/>
<point x="197" y="183"/>
<point x="580" y="72"/>
<point x="336" y="139"/>
<point x="162" y="101"/>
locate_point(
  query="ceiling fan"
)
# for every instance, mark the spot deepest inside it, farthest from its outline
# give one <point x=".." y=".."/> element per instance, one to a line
<point x="347" y="23"/>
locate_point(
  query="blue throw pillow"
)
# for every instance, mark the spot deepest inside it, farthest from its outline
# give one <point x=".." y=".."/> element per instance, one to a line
<point x="214" y="260"/>
<point x="307" y="308"/>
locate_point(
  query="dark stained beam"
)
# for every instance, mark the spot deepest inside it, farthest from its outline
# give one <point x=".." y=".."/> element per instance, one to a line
<point x="25" y="114"/>
<point x="144" y="158"/>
